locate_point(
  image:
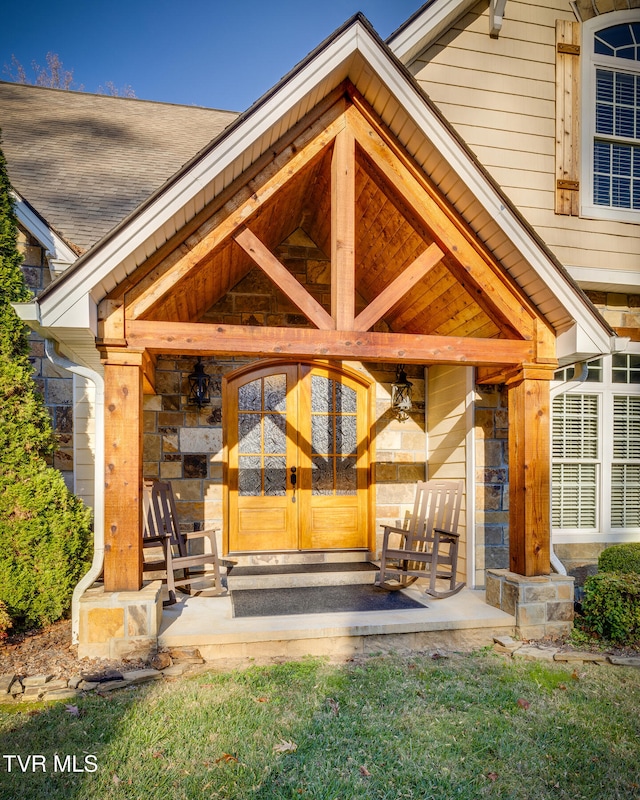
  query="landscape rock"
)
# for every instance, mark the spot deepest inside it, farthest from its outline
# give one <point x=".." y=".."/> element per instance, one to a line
<point x="142" y="675"/>
<point x="110" y="686"/>
<point x="33" y="692"/>
<point x="506" y="644"/>
<point x="102" y="677"/>
<point x="36" y="680"/>
<point x="5" y="682"/>
<point x="61" y="694"/>
<point x="625" y="661"/>
<point x="58" y="683"/>
<point x="187" y="655"/>
<point x="161" y="661"/>
<point x="533" y="653"/>
<point x="580" y="656"/>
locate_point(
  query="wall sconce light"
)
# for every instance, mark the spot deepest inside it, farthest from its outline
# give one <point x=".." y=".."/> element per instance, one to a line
<point x="199" y="384"/>
<point x="401" y="395"/>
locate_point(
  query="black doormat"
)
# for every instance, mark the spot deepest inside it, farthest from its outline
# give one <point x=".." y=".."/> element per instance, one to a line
<point x="318" y="600"/>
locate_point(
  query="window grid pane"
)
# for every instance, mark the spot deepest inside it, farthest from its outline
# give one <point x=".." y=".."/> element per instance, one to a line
<point x="574" y="496"/>
<point x="616" y="165"/>
<point x="625" y="495"/>
<point x="575" y="426"/>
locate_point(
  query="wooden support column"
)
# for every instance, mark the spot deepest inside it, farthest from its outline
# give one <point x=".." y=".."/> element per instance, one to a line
<point x="343" y="230"/>
<point x="529" y="476"/>
<point x="123" y="376"/>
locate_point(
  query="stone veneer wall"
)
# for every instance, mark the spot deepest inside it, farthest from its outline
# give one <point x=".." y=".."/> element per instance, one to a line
<point x="183" y="444"/>
<point x="620" y="310"/>
<point x="56" y="385"/>
<point x="492" y="479"/>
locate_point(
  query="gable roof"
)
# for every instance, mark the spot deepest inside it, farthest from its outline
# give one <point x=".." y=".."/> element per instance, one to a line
<point x="425" y="26"/>
<point x="354" y="53"/>
<point x="84" y="161"/>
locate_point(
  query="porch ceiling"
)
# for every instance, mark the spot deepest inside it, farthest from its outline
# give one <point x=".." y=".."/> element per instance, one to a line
<point x="417" y="269"/>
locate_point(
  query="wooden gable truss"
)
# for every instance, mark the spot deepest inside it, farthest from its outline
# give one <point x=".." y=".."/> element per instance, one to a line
<point x="410" y="283"/>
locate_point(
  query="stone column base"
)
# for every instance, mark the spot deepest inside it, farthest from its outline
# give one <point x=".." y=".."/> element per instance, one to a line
<point x="120" y="624"/>
<point x="542" y="605"/>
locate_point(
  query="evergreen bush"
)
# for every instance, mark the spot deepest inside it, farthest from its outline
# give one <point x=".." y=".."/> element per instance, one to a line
<point x="611" y="606"/>
<point x="45" y="534"/>
<point x="620" y="558"/>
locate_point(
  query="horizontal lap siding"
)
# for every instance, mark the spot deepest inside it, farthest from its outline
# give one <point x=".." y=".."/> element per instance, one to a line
<point x="84" y="439"/>
<point x="500" y="96"/>
<point x="446" y="427"/>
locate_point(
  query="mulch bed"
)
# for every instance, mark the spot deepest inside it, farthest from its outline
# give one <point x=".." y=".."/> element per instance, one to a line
<point x="49" y="651"/>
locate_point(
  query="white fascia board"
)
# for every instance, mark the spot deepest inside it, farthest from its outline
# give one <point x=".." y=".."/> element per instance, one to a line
<point x="606" y="280"/>
<point x="83" y="314"/>
<point x="427" y="27"/>
<point x="56" y="249"/>
<point x="126" y="241"/>
<point x="575" y="344"/>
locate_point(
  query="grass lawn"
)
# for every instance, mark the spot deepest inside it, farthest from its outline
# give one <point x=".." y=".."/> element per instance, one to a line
<point x="465" y="726"/>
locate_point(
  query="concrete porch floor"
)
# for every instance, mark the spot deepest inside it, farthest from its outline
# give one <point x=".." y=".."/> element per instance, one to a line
<point x="461" y="622"/>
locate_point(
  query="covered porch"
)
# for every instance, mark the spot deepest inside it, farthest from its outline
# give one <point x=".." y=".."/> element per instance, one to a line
<point x="411" y="256"/>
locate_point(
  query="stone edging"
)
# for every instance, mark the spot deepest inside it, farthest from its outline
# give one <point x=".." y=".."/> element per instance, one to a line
<point x="180" y="661"/>
<point x="44" y="687"/>
<point x="537" y="652"/>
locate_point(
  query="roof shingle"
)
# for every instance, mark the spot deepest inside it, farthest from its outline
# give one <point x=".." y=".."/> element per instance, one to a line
<point x="84" y="161"/>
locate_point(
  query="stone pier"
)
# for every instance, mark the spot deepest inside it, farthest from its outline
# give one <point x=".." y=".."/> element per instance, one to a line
<point x="542" y="605"/>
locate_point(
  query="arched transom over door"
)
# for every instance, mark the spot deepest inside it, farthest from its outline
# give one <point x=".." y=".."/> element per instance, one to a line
<point x="298" y="459"/>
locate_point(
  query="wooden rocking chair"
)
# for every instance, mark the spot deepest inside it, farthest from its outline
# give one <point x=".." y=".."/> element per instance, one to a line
<point x="428" y="547"/>
<point x="162" y="529"/>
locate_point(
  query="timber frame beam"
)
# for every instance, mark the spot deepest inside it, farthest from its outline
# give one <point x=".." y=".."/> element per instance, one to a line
<point x="212" y="339"/>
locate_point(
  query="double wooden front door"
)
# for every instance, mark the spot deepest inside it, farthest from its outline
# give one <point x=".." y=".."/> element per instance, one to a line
<point x="298" y="459"/>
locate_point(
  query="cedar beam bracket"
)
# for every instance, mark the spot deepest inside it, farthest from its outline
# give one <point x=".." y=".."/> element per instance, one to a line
<point x="123" y="377"/>
<point x="529" y="469"/>
<point x="283" y="279"/>
<point x="343" y="214"/>
<point x="398" y="288"/>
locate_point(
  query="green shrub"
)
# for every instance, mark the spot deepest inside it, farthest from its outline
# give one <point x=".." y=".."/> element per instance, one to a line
<point x="45" y="533"/>
<point x="611" y="606"/>
<point x="5" y="621"/>
<point x="620" y="558"/>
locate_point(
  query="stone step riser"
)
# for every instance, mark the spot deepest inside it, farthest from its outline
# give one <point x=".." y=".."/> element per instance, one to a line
<point x="299" y="580"/>
<point x="276" y="559"/>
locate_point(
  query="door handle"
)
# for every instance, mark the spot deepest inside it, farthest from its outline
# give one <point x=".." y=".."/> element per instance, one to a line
<point x="294" y="477"/>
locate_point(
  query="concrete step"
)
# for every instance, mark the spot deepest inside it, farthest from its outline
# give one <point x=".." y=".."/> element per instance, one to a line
<point x="461" y="622"/>
<point x="298" y="557"/>
<point x="288" y="576"/>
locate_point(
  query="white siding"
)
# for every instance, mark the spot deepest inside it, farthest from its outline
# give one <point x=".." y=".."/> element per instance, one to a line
<point x="500" y="95"/>
<point x="447" y="436"/>
<point x="84" y="440"/>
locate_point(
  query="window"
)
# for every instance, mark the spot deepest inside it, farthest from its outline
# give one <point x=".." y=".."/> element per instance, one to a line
<point x="612" y="116"/>
<point x="596" y="453"/>
<point x="594" y="372"/>
<point x="575" y="449"/>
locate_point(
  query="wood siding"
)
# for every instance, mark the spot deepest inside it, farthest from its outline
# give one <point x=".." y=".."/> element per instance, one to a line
<point x="500" y="95"/>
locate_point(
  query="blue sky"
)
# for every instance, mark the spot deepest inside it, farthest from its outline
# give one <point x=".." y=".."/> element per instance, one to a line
<point x="220" y="54"/>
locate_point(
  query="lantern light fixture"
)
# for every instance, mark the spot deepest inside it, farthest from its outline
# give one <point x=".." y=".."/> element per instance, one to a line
<point x="199" y="386"/>
<point x="401" y="395"/>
